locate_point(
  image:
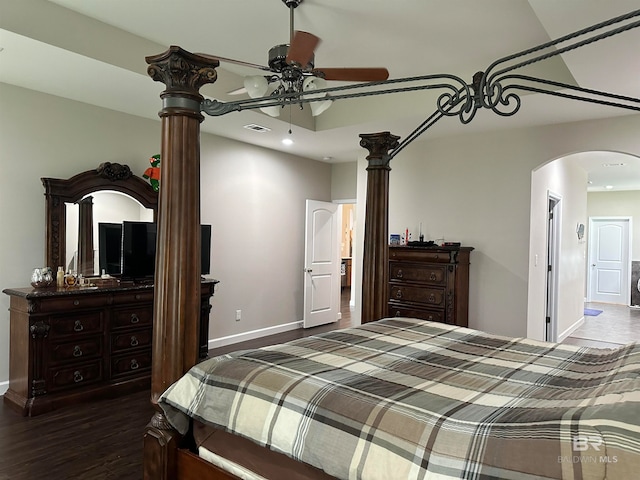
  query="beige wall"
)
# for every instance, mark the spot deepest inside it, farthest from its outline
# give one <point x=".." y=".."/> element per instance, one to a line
<point x="476" y="189"/>
<point x="253" y="197"/>
<point x="618" y="204"/>
<point x="343" y="181"/>
<point x="564" y="179"/>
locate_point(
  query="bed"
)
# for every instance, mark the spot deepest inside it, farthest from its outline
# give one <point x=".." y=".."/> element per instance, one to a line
<point x="541" y="411"/>
<point x="408" y="399"/>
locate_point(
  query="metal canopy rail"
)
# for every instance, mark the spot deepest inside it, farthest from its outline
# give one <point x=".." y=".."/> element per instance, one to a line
<point x="494" y="88"/>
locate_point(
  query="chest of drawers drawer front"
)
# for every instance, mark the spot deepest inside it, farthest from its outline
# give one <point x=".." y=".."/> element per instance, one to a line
<point x="78" y="350"/>
<point x="128" y="298"/>
<point x="130" y="364"/>
<point x="74" y="376"/>
<point x="409" y="272"/>
<point x="72" y="302"/>
<point x="131" y="339"/>
<point x="133" y="317"/>
<point x="424" y="295"/>
<point x="79" y="324"/>
<point x="403" y="311"/>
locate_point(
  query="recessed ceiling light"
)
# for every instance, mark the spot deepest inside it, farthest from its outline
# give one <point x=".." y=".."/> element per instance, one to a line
<point x="287" y="141"/>
<point x="614" y="164"/>
<point x="608" y="187"/>
<point x="327" y="158"/>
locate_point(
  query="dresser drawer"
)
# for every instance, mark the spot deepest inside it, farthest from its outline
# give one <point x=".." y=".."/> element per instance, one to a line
<point x="404" y="311"/>
<point x="411" y="272"/>
<point x="133" y="317"/>
<point x="80" y="324"/>
<point x="141" y="296"/>
<point x="74" y="376"/>
<point x="133" y="363"/>
<point x="131" y="339"/>
<point x="69" y="303"/>
<point x="431" y="296"/>
<point x="422" y="255"/>
<point x="78" y="350"/>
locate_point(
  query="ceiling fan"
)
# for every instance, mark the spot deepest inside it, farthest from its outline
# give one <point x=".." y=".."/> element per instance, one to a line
<point x="292" y="70"/>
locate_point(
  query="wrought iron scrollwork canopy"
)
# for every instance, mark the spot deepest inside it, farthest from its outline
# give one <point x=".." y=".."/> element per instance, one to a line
<point x="496" y="88"/>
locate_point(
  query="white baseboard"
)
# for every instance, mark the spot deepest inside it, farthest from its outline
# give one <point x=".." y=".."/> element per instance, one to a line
<point x="262" y="332"/>
<point x="570" y="330"/>
<point x="4" y="386"/>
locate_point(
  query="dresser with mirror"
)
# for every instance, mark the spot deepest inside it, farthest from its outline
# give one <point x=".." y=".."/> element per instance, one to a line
<point x="75" y="344"/>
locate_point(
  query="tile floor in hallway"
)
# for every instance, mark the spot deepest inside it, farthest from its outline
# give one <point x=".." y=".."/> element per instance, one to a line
<point x="616" y="325"/>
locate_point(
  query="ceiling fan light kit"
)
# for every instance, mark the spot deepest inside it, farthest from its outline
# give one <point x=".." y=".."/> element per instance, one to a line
<point x="290" y="64"/>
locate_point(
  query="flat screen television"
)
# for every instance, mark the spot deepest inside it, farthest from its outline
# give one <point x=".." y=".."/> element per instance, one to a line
<point x="138" y="250"/>
<point x="110" y="248"/>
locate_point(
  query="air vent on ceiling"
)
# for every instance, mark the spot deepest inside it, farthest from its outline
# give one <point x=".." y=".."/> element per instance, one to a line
<point x="257" y="128"/>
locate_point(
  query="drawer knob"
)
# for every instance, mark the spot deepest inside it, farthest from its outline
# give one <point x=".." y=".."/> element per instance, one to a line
<point x="432" y="276"/>
<point x="76" y="302"/>
<point x="430" y="318"/>
<point x="138" y="297"/>
<point x="77" y="376"/>
<point x="399" y="293"/>
<point x="134" y="364"/>
<point x="399" y="274"/>
<point x="432" y="298"/>
<point x="78" y="327"/>
<point x="134" y="341"/>
<point x="77" y="351"/>
<point x="397" y="313"/>
<point x="134" y="318"/>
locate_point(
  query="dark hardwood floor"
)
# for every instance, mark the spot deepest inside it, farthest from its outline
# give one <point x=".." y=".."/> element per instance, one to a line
<point x="98" y="440"/>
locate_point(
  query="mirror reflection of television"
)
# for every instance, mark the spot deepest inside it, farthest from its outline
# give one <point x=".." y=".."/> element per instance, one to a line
<point x="205" y="249"/>
<point x="110" y="248"/>
<point x="138" y="250"/>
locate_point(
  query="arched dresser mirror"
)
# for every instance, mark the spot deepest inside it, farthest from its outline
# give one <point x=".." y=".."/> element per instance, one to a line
<point x="71" y="239"/>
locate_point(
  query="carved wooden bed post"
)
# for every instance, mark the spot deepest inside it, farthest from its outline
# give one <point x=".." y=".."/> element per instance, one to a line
<point x="177" y="279"/>
<point x="376" y="225"/>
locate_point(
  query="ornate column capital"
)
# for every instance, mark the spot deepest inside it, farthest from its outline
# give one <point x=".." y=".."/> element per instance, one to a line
<point x="379" y="145"/>
<point x="183" y="73"/>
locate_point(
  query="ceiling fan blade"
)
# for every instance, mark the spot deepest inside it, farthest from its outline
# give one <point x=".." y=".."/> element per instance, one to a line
<point x="237" y="62"/>
<point x="302" y="48"/>
<point x="352" y="74"/>
<point x="237" y="91"/>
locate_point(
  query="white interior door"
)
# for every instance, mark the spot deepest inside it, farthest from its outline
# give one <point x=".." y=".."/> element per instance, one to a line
<point x="609" y="265"/>
<point x="322" y="264"/>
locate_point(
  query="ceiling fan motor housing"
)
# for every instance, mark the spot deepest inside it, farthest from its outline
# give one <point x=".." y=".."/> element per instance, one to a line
<point x="278" y="58"/>
<point x="292" y="3"/>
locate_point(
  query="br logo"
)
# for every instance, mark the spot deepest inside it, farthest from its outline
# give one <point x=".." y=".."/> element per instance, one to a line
<point x="581" y="443"/>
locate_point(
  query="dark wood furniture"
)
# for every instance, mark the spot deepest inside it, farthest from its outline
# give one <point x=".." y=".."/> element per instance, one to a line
<point x="431" y="283"/>
<point x="59" y="192"/>
<point x="73" y="344"/>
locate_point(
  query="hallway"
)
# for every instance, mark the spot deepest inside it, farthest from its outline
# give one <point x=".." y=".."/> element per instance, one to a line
<point x="615" y="326"/>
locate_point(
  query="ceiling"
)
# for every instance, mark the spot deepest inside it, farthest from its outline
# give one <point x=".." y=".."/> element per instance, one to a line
<point x="93" y="51"/>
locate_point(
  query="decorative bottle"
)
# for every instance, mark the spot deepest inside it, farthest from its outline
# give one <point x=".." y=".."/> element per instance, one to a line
<point x="60" y="277"/>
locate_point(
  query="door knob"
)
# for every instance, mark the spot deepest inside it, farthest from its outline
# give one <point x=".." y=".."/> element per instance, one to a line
<point x="308" y="270"/>
<point x="593" y="264"/>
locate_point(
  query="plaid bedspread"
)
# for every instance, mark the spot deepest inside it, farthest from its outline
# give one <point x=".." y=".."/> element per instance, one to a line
<point x="409" y="399"/>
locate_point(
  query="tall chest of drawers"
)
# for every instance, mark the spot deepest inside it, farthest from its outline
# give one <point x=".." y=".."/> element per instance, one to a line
<point x="431" y="283"/>
<point x="72" y="345"/>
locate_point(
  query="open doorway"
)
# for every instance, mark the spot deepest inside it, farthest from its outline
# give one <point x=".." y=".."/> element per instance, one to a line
<point x="348" y="231"/>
